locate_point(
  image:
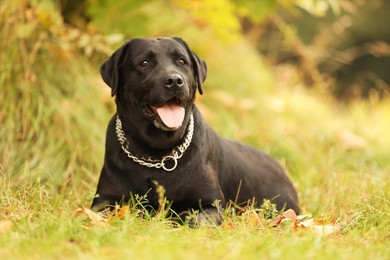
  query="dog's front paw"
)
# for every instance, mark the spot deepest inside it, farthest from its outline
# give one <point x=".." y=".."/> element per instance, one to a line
<point x="207" y="217"/>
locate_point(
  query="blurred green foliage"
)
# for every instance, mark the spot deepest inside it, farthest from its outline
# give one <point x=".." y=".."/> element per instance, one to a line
<point x="331" y="45"/>
<point x="168" y="17"/>
<point x="44" y="132"/>
<point x="50" y="63"/>
<point x="210" y="27"/>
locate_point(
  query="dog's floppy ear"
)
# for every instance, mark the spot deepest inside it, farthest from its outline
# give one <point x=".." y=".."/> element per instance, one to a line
<point x="200" y="66"/>
<point x="110" y="69"/>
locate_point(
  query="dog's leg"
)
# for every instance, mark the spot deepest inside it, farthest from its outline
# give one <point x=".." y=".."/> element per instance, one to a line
<point x="205" y="217"/>
<point x="210" y="216"/>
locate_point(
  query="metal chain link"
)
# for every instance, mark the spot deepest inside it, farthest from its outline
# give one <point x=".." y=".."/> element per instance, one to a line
<point x="176" y="153"/>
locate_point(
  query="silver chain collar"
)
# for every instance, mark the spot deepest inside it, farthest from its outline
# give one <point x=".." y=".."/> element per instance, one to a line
<point x="176" y="153"/>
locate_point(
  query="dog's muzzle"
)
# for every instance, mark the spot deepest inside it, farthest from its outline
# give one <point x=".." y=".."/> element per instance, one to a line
<point x="167" y="116"/>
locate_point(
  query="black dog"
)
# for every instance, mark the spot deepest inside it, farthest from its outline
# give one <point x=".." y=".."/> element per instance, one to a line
<point x="159" y="136"/>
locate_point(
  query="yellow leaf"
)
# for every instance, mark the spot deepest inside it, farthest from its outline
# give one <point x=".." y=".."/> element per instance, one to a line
<point x="252" y="218"/>
<point x="286" y="215"/>
<point x="317" y="226"/>
<point x="120" y="213"/>
<point x="290" y="214"/>
<point x="326" y="229"/>
<point x="95" y="219"/>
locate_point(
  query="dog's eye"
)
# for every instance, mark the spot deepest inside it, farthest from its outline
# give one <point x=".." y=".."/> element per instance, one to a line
<point x="144" y="63"/>
<point x="182" y="62"/>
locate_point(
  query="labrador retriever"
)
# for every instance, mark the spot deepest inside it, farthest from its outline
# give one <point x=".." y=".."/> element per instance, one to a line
<point x="158" y="136"/>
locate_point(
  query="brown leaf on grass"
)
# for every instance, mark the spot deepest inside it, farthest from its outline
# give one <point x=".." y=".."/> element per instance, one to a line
<point x="101" y="218"/>
<point x="318" y="226"/>
<point x="288" y="215"/>
<point x="325" y="221"/>
<point x="248" y="218"/>
<point x="307" y="223"/>
<point x="229" y="224"/>
<point x="326" y="229"/>
<point x="92" y="218"/>
<point x="119" y="213"/>
<point x="253" y="218"/>
<point x="277" y="221"/>
<point x="5" y="225"/>
<point x="321" y="227"/>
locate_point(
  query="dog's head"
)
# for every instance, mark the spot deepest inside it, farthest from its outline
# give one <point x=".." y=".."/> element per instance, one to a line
<point x="154" y="81"/>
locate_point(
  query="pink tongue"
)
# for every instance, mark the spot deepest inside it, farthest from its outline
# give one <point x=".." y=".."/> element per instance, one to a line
<point x="171" y="114"/>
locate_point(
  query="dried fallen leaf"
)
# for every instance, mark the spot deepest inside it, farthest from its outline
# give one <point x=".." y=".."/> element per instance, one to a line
<point x="324" y="221"/>
<point x="318" y="226"/>
<point x="290" y="214"/>
<point x="306" y="223"/>
<point x="286" y="215"/>
<point x="229" y="224"/>
<point x="252" y="218"/>
<point x="120" y="213"/>
<point x="95" y="219"/>
<point x="326" y="229"/>
<point x="303" y="217"/>
<point x="277" y="221"/>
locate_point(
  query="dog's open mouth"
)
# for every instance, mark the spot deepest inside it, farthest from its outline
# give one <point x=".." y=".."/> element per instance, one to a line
<point x="169" y="116"/>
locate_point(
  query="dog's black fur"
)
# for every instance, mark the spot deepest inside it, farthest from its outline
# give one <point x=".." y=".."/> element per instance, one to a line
<point x="212" y="168"/>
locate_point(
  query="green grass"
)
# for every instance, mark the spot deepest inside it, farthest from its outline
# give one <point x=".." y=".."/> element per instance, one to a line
<point x="44" y="227"/>
<point x="53" y="114"/>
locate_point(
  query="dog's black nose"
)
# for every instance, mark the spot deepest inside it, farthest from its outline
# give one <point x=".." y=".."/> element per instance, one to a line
<point x="173" y="81"/>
